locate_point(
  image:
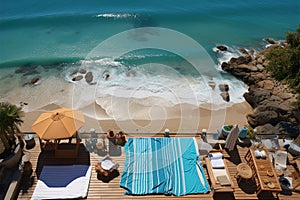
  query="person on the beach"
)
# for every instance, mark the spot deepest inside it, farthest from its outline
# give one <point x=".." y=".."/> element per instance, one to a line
<point x="111" y="135"/>
<point x="106" y="169"/>
<point x="120" y="139"/>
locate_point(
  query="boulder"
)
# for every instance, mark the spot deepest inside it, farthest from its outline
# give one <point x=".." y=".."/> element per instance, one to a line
<point x="270" y="41"/>
<point x="250" y="99"/>
<point x="267" y="129"/>
<point x="34" y="80"/>
<point x="240" y="60"/>
<point x="266" y="84"/>
<point x="77" y="78"/>
<point x="256" y="95"/>
<point x="225" y="96"/>
<point x="260" y="67"/>
<point x="271" y="106"/>
<point x="260" y="76"/>
<point x="274" y="46"/>
<point x="89" y="77"/>
<point x="264" y="117"/>
<point x="74" y="72"/>
<point x="226" y="66"/>
<point x="212" y="84"/>
<point x="82" y="71"/>
<point x="260" y="60"/>
<point x="243" y="51"/>
<point x="286" y="95"/>
<point x="251" y="52"/>
<point x="224" y="87"/>
<point x="251" y="120"/>
<point x="288" y="128"/>
<point x="247" y="68"/>
<point x="222" y="48"/>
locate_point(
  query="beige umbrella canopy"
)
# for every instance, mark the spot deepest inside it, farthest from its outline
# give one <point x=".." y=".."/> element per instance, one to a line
<point x="58" y="124"/>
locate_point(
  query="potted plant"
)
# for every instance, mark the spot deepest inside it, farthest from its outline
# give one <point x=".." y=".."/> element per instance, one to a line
<point x="226" y="129"/>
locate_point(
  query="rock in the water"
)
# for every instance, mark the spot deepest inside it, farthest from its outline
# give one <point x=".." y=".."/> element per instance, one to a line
<point x="222" y="48"/>
<point x="225" y="96"/>
<point x="82" y="71"/>
<point x="34" y="81"/>
<point x="242" y="50"/>
<point x="77" y="78"/>
<point x="89" y="77"/>
<point x="269" y="40"/>
<point x="224" y="87"/>
<point x="240" y="60"/>
<point x="212" y="84"/>
<point x="74" y="72"/>
<point x="106" y="77"/>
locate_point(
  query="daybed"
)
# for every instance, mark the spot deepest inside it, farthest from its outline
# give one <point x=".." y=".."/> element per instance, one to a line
<point x="218" y="173"/>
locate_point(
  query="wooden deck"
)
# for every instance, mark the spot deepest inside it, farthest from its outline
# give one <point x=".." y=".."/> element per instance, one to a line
<point x="112" y="190"/>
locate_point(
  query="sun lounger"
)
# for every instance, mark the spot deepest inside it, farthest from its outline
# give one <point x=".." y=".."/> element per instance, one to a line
<point x="218" y="173"/>
<point x="63" y="182"/>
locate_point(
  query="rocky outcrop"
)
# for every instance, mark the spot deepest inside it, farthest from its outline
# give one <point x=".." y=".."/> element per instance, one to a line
<point x="272" y="101"/>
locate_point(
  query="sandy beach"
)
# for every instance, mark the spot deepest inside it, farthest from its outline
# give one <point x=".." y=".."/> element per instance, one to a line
<point x="177" y="120"/>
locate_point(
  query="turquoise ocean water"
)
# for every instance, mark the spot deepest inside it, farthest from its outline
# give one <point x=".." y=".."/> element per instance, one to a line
<point x="48" y="35"/>
<point x="32" y="30"/>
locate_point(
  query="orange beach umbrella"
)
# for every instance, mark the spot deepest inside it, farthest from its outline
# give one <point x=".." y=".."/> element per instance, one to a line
<point x="58" y="124"/>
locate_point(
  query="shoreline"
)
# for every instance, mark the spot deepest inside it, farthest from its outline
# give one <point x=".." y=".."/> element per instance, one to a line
<point x="191" y="122"/>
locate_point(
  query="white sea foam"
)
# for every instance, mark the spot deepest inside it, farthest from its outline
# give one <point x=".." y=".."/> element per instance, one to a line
<point x="130" y="92"/>
<point x="225" y="56"/>
<point x="116" y="15"/>
<point x="148" y="86"/>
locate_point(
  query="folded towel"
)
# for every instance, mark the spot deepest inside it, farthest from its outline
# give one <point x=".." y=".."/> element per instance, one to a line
<point x="263" y="154"/>
<point x="215" y="156"/>
<point x="257" y="153"/>
<point x="217" y="163"/>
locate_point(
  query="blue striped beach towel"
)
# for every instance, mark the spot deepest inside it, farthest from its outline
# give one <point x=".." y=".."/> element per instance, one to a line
<point x="163" y="166"/>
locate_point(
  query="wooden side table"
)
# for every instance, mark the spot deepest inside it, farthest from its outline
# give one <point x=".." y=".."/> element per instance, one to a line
<point x="263" y="171"/>
<point x="243" y="172"/>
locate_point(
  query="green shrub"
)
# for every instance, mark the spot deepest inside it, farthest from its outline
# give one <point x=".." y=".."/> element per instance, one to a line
<point x="284" y="62"/>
